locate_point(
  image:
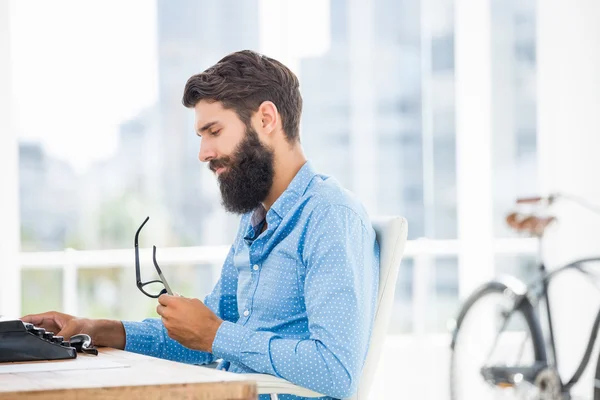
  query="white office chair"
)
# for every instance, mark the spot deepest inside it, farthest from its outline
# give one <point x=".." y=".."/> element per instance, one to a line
<point x="391" y="234"/>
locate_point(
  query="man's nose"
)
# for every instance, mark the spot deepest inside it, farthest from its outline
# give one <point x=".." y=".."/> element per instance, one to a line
<point x="207" y="152"/>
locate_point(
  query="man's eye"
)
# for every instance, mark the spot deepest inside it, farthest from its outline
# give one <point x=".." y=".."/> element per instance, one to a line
<point x="215" y="133"/>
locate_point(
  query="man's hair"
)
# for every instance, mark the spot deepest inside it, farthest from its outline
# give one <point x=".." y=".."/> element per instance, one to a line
<point x="242" y="81"/>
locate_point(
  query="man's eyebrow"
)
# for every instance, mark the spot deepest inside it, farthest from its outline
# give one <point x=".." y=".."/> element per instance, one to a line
<point x="205" y="128"/>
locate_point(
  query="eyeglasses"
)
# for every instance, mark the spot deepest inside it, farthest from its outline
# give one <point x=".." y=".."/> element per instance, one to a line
<point x="83" y="344"/>
<point x="162" y="282"/>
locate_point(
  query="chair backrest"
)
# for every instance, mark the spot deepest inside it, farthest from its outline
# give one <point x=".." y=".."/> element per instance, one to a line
<point x="391" y="235"/>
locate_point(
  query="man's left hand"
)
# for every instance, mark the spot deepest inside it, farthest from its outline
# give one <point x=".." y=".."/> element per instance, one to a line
<point x="189" y="321"/>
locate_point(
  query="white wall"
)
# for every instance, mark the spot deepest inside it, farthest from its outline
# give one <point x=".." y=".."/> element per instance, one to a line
<point x="569" y="148"/>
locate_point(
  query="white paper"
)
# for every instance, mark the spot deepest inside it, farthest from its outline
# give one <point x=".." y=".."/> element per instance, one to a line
<point x="81" y="363"/>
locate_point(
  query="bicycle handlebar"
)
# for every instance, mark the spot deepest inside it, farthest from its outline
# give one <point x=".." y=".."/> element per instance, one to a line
<point x="530" y="200"/>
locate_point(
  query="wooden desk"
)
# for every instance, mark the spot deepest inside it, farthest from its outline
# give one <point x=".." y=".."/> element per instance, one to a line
<point x="141" y="378"/>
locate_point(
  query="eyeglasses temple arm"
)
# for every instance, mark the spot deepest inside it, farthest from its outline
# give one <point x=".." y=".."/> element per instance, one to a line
<point x="138" y="279"/>
<point x="160" y="274"/>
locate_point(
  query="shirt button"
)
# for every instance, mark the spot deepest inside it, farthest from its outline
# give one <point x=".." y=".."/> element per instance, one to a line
<point x="246" y="313"/>
<point x="255" y="267"/>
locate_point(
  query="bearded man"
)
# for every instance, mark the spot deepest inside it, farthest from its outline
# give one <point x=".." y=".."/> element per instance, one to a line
<point x="297" y="293"/>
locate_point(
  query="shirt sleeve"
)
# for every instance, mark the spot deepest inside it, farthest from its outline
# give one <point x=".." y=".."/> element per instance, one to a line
<point x="340" y="289"/>
<point x="150" y="337"/>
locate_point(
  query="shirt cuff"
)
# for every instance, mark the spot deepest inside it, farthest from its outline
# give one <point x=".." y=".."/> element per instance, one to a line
<point x="229" y="341"/>
<point x="141" y="338"/>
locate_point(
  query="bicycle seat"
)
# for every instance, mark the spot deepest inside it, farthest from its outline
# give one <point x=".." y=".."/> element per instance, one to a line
<point x="529" y="223"/>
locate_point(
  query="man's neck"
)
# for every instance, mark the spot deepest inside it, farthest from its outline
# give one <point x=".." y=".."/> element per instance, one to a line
<point x="286" y="167"/>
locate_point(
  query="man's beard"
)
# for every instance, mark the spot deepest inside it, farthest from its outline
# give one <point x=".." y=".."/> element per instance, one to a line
<point x="248" y="177"/>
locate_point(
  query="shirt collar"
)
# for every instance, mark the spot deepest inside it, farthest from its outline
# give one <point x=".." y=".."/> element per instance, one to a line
<point x="286" y="201"/>
<point x="294" y="191"/>
<point x="258" y="216"/>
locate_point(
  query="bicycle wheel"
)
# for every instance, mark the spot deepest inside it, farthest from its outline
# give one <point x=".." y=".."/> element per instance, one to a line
<point x="597" y="380"/>
<point x="497" y="348"/>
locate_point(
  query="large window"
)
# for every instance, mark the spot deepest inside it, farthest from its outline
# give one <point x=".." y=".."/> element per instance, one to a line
<point x="105" y="141"/>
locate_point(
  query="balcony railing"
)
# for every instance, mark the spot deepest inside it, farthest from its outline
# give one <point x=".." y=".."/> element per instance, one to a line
<point x="422" y="251"/>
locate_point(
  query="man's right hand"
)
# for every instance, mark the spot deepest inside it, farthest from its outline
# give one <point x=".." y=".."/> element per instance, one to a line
<point x="103" y="332"/>
<point x="63" y="324"/>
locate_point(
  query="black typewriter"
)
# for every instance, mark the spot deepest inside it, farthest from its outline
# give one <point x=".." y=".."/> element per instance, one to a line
<point x="21" y="341"/>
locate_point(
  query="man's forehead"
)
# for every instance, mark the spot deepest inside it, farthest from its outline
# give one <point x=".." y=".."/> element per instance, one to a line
<point x="208" y="112"/>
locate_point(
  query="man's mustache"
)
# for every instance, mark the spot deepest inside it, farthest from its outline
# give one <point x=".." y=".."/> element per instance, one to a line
<point x="218" y="163"/>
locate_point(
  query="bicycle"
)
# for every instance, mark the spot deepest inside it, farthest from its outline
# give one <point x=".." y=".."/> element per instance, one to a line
<point x="515" y="324"/>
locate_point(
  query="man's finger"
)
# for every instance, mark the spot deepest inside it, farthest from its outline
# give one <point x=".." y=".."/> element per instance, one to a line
<point x="68" y="331"/>
<point x="161" y="310"/>
<point x="170" y="333"/>
<point x="39" y="318"/>
<point x="46" y="320"/>
<point x="165" y="299"/>
<point x="35" y="319"/>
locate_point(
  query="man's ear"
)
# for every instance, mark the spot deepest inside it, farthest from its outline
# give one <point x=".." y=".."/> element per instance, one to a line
<point x="267" y="118"/>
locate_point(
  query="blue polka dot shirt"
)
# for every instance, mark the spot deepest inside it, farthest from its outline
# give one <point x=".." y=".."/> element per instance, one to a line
<point x="297" y="298"/>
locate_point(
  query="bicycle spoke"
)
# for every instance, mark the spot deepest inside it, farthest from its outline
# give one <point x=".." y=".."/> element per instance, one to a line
<point x="497" y="338"/>
<point x="522" y="349"/>
<point x="492" y="334"/>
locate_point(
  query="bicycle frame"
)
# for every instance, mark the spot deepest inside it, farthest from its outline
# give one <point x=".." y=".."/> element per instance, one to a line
<point x="534" y="295"/>
<point x="578" y="266"/>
